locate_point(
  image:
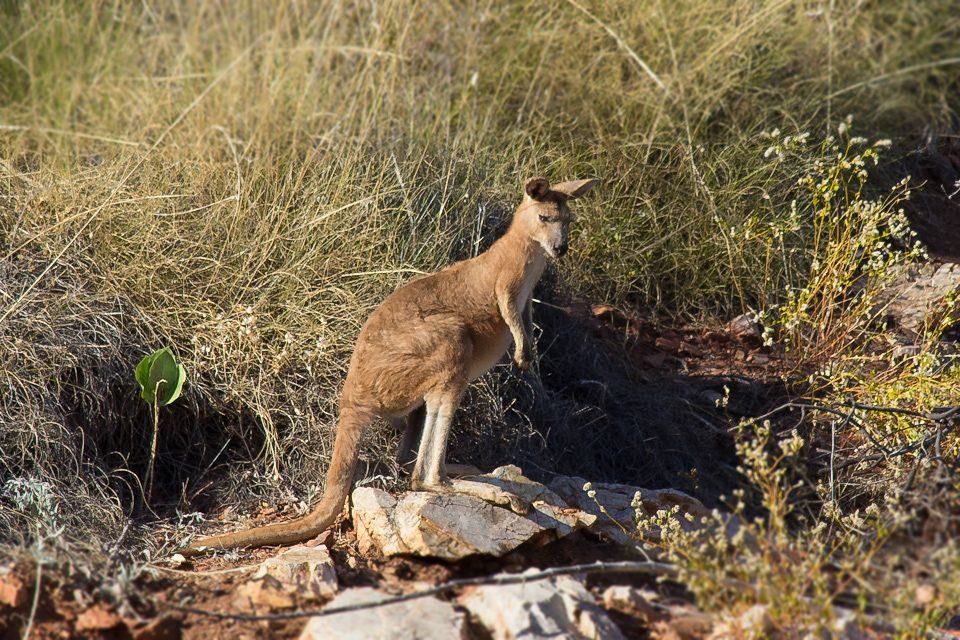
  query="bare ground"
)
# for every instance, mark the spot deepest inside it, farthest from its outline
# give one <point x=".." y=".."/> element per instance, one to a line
<point x="702" y="360"/>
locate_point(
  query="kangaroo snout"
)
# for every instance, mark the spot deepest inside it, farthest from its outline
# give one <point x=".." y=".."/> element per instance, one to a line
<point x="560" y="250"/>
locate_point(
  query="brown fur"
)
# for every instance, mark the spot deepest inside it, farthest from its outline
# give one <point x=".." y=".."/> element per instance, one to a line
<point x="425" y="343"/>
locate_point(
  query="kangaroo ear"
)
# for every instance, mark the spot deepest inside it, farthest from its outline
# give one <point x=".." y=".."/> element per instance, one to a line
<point x="537" y="188"/>
<point x="574" y="188"/>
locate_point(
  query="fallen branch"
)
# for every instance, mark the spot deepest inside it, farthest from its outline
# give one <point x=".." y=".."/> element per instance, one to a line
<point x="659" y="568"/>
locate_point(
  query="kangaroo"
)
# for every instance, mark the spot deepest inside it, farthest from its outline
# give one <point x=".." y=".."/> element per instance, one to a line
<point x="424" y="344"/>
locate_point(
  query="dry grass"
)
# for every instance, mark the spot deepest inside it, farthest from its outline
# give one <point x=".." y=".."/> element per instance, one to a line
<point x="245" y="181"/>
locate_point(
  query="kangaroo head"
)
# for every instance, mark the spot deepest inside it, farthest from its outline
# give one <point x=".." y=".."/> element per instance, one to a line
<point x="544" y="215"/>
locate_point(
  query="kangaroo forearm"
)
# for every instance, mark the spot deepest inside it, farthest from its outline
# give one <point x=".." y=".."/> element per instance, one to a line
<point x="511" y="315"/>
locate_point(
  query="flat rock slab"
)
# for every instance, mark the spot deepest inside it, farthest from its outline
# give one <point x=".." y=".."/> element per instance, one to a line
<point x="422" y="618"/>
<point x="490" y="514"/>
<point x="559" y="608"/>
<point x="619" y="521"/>
<point x="447" y="526"/>
<point x="306" y="571"/>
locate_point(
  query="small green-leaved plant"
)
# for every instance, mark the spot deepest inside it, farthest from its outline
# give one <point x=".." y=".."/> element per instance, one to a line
<point x="161" y="380"/>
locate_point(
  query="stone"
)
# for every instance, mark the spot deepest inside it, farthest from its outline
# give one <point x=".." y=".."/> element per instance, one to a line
<point x="667" y="344"/>
<point x="619" y="521"/>
<point x="13" y="590"/>
<point x="684" y="623"/>
<point x="746" y="330"/>
<point x="262" y="595"/>
<point x="631" y="601"/>
<point x="97" y="618"/>
<point x="267" y="593"/>
<point x="560" y="608"/>
<point x="915" y="292"/>
<point x="462" y="522"/>
<point x="847" y="627"/>
<point x="177" y="561"/>
<point x="306" y="571"/>
<point x="507" y="486"/>
<point x="712" y="397"/>
<point x="425" y="618"/>
<point x="372" y="510"/>
<point x="447" y="526"/>
<point x="925" y="595"/>
<point x="690" y="349"/>
<point x="456" y="526"/>
<point x="163" y="627"/>
<point x="715" y="336"/>
<point x="755" y="622"/>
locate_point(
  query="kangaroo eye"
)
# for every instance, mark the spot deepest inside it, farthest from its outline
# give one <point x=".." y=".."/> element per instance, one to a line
<point x="544" y="219"/>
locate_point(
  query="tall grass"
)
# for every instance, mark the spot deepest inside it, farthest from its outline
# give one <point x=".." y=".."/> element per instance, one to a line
<point x="247" y="180"/>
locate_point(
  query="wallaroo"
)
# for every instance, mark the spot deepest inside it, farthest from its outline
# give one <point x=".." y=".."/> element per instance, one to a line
<point x="418" y="351"/>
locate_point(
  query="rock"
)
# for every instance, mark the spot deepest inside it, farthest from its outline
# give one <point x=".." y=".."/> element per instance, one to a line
<point x="164" y="627"/>
<point x="97" y="618"/>
<point x="690" y="349"/>
<point x="372" y="510"/>
<point x="13" y="591"/>
<point x="756" y="620"/>
<point x="925" y="595"/>
<point x="715" y="336"/>
<point x="455" y="525"/>
<point x="539" y="503"/>
<point x="306" y="571"/>
<point x="177" y="560"/>
<point x="321" y="539"/>
<point x="712" y="397"/>
<point x="655" y="360"/>
<point x="668" y="344"/>
<point x="847" y="627"/>
<point x="619" y="521"/>
<point x="422" y="618"/>
<point x="266" y="593"/>
<point x="745" y="329"/>
<point x="631" y="601"/>
<point x="446" y="526"/>
<point x="914" y="293"/>
<point x="684" y="624"/>
<point x="559" y="607"/>
<point x="753" y="624"/>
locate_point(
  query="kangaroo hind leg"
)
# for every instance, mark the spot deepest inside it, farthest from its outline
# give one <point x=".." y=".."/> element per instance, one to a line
<point x="426" y="436"/>
<point x="436" y="447"/>
<point x="412" y="426"/>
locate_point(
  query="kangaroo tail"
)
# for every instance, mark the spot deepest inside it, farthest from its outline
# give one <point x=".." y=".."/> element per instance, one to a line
<point x="339" y="481"/>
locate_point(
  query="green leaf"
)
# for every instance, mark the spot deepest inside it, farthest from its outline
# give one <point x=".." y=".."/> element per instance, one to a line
<point x="161" y="378"/>
<point x="177" y="386"/>
<point x="142" y="373"/>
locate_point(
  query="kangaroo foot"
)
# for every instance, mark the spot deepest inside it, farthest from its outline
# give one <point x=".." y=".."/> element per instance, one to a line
<point x="442" y="485"/>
